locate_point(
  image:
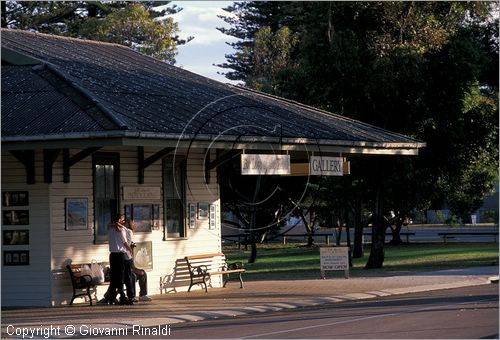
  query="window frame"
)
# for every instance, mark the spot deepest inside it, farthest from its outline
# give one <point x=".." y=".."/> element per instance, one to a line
<point x="181" y="162"/>
<point x="105" y="158"/>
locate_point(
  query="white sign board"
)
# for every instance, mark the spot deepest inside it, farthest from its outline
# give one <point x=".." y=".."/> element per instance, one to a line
<point x="141" y="193"/>
<point x="334" y="258"/>
<point x="252" y="164"/>
<point x="326" y="166"/>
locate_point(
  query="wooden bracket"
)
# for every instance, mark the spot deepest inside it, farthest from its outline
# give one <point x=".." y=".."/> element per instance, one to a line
<point x="221" y="159"/>
<point x="27" y="158"/>
<point x="49" y="157"/>
<point x="144" y="163"/>
<point x="68" y="161"/>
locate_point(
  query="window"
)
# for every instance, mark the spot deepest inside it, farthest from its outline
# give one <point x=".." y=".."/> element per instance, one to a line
<point x="106" y="185"/>
<point x="174" y="174"/>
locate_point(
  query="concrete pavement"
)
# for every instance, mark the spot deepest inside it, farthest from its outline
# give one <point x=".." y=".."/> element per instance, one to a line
<point x="258" y="296"/>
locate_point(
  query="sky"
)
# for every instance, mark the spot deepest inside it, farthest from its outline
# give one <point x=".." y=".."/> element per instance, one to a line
<point x="199" y="19"/>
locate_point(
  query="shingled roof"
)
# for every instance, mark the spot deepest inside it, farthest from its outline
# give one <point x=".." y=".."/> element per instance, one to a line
<point x="60" y="89"/>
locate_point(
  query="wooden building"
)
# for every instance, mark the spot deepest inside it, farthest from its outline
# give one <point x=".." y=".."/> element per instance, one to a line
<point x="90" y="128"/>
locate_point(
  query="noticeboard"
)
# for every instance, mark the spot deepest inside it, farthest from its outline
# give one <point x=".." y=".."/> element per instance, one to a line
<point x="334" y="258"/>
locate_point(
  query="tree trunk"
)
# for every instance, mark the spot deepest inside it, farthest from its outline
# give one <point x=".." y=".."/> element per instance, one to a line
<point x="376" y="259"/>
<point x="358" y="231"/>
<point x="396" y="232"/>
<point x="253" y="223"/>
<point x="4" y="14"/>
<point x="309" y="230"/>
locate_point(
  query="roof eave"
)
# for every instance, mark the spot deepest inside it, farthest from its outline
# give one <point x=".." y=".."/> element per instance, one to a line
<point x="136" y="138"/>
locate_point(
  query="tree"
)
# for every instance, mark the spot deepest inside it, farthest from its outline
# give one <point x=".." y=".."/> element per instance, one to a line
<point x="134" y="24"/>
<point x="259" y="202"/>
<point x="421" y="69"/>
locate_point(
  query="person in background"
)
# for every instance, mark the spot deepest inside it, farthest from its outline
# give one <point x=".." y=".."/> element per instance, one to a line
<point x="118" y="247"/>
<point x="136" y="274"/>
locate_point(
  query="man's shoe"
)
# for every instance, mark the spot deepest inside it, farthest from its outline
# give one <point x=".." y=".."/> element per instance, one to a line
<point x="103" y="301"/>
<point x="126" y="302"/>
<point x="145" y="298"/>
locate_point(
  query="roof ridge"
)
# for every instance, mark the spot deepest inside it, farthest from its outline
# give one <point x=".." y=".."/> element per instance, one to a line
<point x="64" y="37"/>
<point x="108" y="113"/>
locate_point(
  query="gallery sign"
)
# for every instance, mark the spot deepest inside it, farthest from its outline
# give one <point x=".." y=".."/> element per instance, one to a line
<point x="141" y="193"/>
<point x="326" y="166"/>
<point x="257" y="164"/>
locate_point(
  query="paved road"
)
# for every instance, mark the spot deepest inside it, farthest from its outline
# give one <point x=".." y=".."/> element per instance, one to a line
<point x="464" y="313"/>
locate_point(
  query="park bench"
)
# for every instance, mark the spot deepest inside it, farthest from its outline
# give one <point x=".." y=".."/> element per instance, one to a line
<point x="203" y="266"/>
<point x="83" y="284"/>
<point x="451" y="234"/>
<point x="403" y="233"/>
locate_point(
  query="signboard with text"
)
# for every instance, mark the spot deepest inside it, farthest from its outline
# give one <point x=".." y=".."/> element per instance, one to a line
<point x="326" y="166"/>
<point x="141" y="193"/>
<point x="258" y="164"/>
<point x="334" y="258"/>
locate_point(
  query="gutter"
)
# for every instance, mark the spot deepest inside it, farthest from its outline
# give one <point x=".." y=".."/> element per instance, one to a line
<point x="175" y="137"/>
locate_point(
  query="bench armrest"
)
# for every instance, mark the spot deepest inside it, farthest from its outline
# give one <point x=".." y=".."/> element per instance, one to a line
<point x="235" y="265"/>
<point x="83" y="281"/>
<point x="199" y="270"/>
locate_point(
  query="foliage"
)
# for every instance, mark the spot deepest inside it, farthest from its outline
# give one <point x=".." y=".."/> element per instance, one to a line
<point x="424" y="69"/>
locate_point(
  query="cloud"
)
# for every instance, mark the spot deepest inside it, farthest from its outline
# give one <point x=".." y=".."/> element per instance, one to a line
<point x="202" y="22"/>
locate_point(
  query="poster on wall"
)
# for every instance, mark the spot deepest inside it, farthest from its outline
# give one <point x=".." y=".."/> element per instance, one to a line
<point x="142" y="214"/>
<point x="203" y="211"/>
<point x="76" y="213"/>
<point x="16" y="258"/>
<point x="16" y="217"/>
<point x="16" y="237"/>
<point x="15" y="198"/>
<point x="143" y="255"/>
<point x="145" y="216"/>
<point x="192" y="215"/>
<point x="212" y="223"/>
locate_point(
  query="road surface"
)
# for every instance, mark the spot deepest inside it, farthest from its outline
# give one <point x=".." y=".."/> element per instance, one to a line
<point x="462" y="313"/>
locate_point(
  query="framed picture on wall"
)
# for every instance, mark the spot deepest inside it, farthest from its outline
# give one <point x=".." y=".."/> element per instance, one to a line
<point x="15" y="198"/>
<point x="143" y="255"/>
<point x="76" y="213"/>
<point x="16" y="237"/>
<point x="142" y="214"/>
<point x="212" y="219"/>
<point x="192" y="215"/>
<point x="203" y="211"/>
<point x="16" y="258"/>
<point x="16" y="217"/>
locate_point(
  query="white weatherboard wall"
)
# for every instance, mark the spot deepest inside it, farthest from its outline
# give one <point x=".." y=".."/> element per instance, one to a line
<point x="28" y="285"/>
<point x="45" y="281"/>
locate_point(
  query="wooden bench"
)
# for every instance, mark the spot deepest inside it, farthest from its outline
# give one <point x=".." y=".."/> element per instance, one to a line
<point x="451" y="234"/>
<point x="202" y="267"/>
<point x="82" y="284"/>
<point x="402" y="233"/>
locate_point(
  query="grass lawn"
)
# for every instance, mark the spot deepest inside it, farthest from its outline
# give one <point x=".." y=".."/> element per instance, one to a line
<point x="291" y="261"/>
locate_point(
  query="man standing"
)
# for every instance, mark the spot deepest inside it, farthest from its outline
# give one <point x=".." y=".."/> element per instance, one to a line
<point x="118" y="247"/>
